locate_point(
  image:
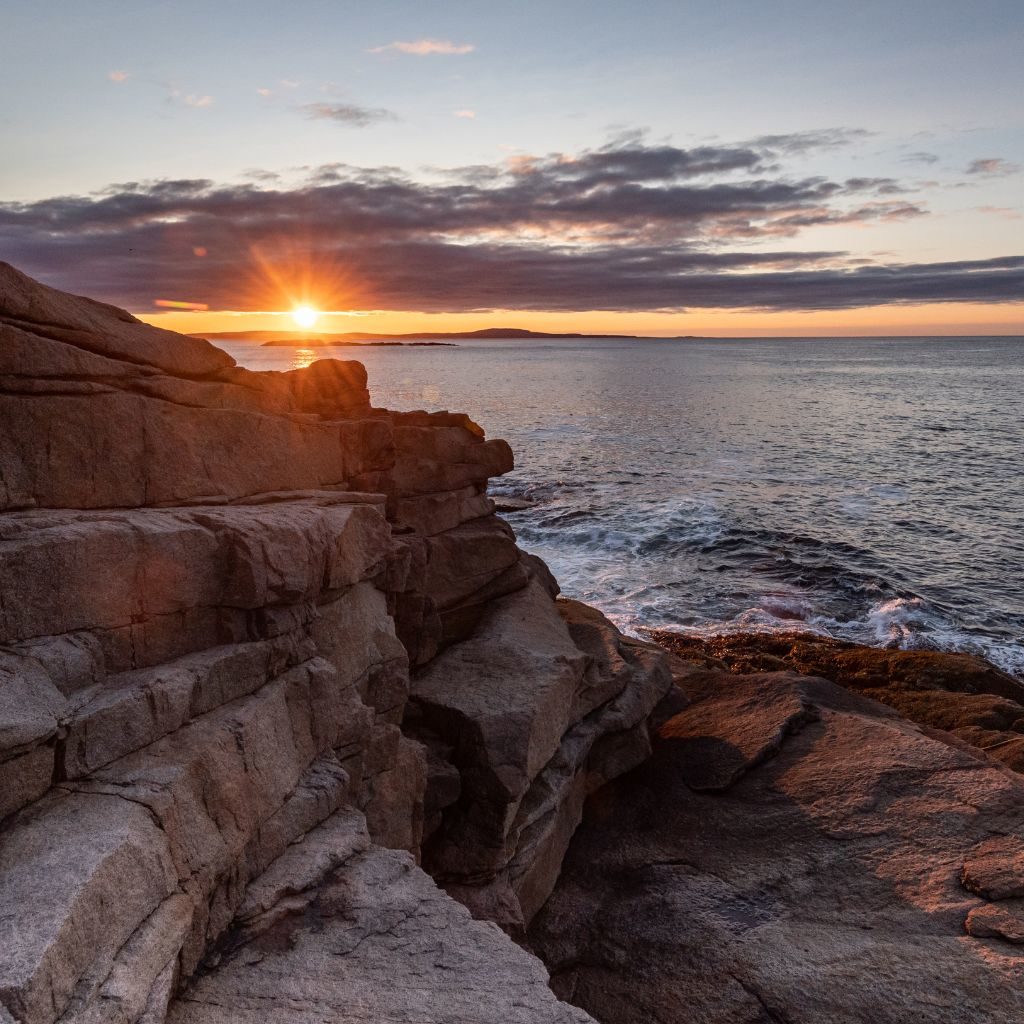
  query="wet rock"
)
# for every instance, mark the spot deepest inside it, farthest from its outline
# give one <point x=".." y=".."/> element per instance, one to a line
<point x="849" y="664"/>
<point x="509" y="503"/>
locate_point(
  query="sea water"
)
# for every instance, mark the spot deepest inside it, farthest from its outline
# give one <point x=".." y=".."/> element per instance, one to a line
<point x="869" y="489"/>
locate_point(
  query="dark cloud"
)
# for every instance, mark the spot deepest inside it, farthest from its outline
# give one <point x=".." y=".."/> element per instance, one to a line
<point x="993" y="166"/>
<point x="880" y="186"/>
<point x="627" y="226"/>
<point x="348" y="114"/>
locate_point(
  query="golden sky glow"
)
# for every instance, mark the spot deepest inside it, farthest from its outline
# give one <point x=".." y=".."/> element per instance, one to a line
<point x="653" y="158"/>
<point x="934" y="318"/>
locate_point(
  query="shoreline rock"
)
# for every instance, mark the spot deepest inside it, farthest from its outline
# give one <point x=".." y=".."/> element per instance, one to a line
<point x="290" y="728"/>
<point x="958" y="694"/>
<point x="794" y="851"/>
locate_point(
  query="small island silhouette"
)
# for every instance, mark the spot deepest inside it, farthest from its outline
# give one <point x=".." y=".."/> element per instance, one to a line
<point x="424" y="338"/>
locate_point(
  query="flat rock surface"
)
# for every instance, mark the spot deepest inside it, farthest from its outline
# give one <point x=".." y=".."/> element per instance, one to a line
<point x="824" y="884"/>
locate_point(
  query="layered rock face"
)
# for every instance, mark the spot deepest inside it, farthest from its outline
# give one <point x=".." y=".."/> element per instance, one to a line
<point x="795" y="852"/>
<point x="263" y="648"/>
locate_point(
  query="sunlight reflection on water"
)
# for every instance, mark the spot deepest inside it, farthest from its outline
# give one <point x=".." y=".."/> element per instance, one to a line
<point x="302" y="357"/>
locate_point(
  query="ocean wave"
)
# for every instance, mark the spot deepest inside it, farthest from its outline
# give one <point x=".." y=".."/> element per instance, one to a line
<point x="911" y="623"/>
<point x="648" y="529"/>
<point x="692" y="564"/>
<point x="902" y="623"/>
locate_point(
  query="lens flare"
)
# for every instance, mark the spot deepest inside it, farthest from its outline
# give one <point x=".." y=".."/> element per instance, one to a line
<point x="177" y="304"/>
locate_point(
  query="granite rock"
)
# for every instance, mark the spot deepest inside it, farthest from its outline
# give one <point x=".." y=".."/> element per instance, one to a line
<point x="215" y="588"/>
<point x="794" y="852"/>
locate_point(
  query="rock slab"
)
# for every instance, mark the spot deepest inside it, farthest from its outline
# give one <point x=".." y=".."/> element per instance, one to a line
<point x="794" y="852"/>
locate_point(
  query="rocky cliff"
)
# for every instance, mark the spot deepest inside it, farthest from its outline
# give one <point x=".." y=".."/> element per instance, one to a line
<point x="264" y="651"/>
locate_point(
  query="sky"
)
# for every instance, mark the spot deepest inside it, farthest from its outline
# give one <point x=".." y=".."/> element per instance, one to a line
<point x="657" y="167"/>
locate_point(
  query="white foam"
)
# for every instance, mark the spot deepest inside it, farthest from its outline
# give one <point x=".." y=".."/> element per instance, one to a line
<point x="910" y="623"/>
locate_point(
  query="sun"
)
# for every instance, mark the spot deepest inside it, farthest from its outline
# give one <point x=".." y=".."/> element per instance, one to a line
<point x="305" y="316"/>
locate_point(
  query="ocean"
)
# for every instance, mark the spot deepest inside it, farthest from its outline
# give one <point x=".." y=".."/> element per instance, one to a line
<point x="867" y="489"/>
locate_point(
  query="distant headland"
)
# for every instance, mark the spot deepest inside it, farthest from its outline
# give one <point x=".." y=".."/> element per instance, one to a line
<point x="287" y="338"/>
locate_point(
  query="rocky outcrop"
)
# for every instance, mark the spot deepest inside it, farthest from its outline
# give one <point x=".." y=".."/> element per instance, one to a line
<point x="959" y="694"/>
<point x="291" y="729"/>
<point x="341" y="930"/>
<point x="794" y="852"/>
<point x="257" y="638"/>
<point x="572" y="714"/>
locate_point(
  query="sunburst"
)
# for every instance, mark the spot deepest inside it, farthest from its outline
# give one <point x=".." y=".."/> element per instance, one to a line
<point x="305" y="316"/>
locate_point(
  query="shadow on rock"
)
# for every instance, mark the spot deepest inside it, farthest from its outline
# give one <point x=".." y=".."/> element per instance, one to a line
<point x="794" y="852"/>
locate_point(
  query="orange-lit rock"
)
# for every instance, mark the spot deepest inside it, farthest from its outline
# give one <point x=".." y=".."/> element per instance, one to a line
<point x="794" y="852"/>
<point x="957" y="693"/>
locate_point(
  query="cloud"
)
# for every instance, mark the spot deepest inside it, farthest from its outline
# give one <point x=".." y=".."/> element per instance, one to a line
<point x="919" y="157"/>
<point x="348" y="114"/>
<point x="992" y="166"/>
<point x="798" y="143"/>
<point x="426" y="47"/>
<point x="1005" y="212"/>
<point x="264" y="92"/>
<point x="118" y="76"/>
<point x="626" y="226"/>
<point x="258" y="174"/>
<point x="880" y="186"/>
<point x="192" y="99"/>
<point x="468" y="114"/>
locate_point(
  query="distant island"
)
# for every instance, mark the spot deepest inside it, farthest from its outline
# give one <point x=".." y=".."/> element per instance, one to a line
<point x="322" y="343"/>
<point x="286" y="338"/>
